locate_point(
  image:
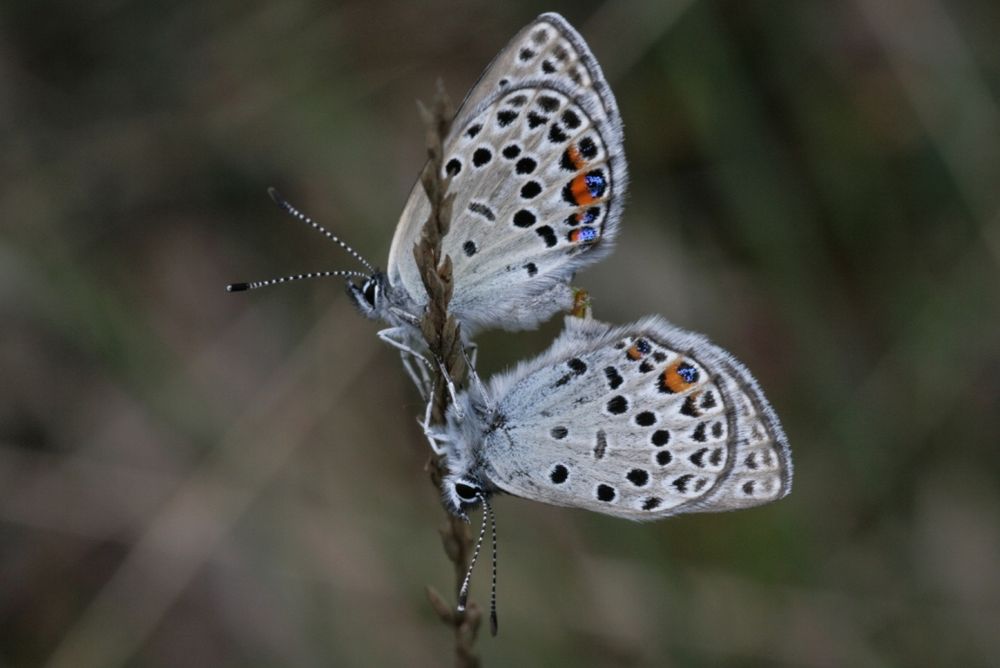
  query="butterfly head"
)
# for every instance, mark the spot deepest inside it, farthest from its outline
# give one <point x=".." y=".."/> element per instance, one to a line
<point x="462" y="492"/>
<point x="369" y="296"/>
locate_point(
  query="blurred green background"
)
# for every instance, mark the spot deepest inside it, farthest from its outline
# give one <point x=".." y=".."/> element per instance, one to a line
<point x="190" y="477"/>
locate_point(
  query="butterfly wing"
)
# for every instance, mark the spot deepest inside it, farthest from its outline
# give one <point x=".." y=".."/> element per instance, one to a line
<point x="643" y="422"/>
<point x="538" y="170"/>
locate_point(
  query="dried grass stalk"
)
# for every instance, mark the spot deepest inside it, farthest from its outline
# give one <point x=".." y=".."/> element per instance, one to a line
<point x="441" y="332"/>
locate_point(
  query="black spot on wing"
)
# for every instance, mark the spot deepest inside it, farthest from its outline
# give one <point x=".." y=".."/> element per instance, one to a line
<point x="547" y="235"/>
<point x="645" y="419"/>
<point x="557" y="136"/>
<point x="716" y="457"/>
<point x="699" y="433"/>
<point x="571" y="119"/>
<point x="566" y="161"/>
<point x="690" y="407"/>
<point x="548" y="103"/>
<point x="535" y="119"/>
<point x="506" y="117"/>
<point x="698" y="457"/>
<point x="481" y="156"/>
<point x="681" y="483"/>
<point x="614" y="378"/>
<point x="559" y="474"/>
<point x="618" y="405"/>
<point x="638" y="477"/>
<point x="525" y="166"/>
<point x="563" y="380"/>
<point x="531" y="189"/>
<point x="588" y="149"/>
<point x="602" y="444"/>
<point x="660" y="438"/>
<point x="708" y="400"/>
<point x="482" y="210"/>
<point x="524" y="218"/>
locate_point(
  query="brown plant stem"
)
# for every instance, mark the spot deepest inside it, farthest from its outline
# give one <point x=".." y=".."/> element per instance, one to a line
<point x="441" y="332"/>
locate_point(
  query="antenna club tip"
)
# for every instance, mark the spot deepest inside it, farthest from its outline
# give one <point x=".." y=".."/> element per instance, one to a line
<point x="273" y="193"/>
<point x="494" y="624"/>
<point x="237" y="287"/>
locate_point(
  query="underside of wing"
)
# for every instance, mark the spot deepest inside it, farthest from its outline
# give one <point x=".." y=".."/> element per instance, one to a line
<point x="537" y="167"/>
<point x="643" y="422"/>
<point x="537" y="197"/>
<point x="547" y="49"/>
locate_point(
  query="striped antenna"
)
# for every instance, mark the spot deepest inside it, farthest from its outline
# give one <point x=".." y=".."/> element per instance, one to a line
<point x="463" y="591"/>
<point x="283" y="203"/>
<point x="494" y="625"/>
<point x="253" y="285"/>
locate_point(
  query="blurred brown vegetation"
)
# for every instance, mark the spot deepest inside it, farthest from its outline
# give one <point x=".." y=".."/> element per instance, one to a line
<point x="190" y="477"/>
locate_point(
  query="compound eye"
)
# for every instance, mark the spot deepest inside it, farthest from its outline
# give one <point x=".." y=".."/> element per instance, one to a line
<point x="466" y="492"/>
<point x="369" y="291"/>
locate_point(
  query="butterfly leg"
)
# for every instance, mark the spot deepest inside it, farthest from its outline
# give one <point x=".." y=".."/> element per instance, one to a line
<point x="452" y="391"/>
<point x="398" y="339"/>
<point x="436" y="447"/>
<point x="417" y="373"/>
<point x="435" y="439"/>
<point x="477" y="382"/>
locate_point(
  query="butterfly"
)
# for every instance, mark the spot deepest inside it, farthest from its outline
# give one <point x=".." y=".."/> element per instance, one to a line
<point x="642" y="422"/>
<point x="537" y="165"/>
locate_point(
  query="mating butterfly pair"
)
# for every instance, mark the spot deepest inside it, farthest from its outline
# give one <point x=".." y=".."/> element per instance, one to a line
<point x="642" y="421"/>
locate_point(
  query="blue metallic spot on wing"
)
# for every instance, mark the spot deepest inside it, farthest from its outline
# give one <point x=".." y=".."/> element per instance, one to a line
<point x="596" y="183"/>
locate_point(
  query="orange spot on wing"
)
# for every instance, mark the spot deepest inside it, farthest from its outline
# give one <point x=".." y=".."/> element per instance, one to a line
<point x="575" y="157"/>
<point x="633" y="353"/>
<point x="673" y="380"/>
<point x="581" y="193"/>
